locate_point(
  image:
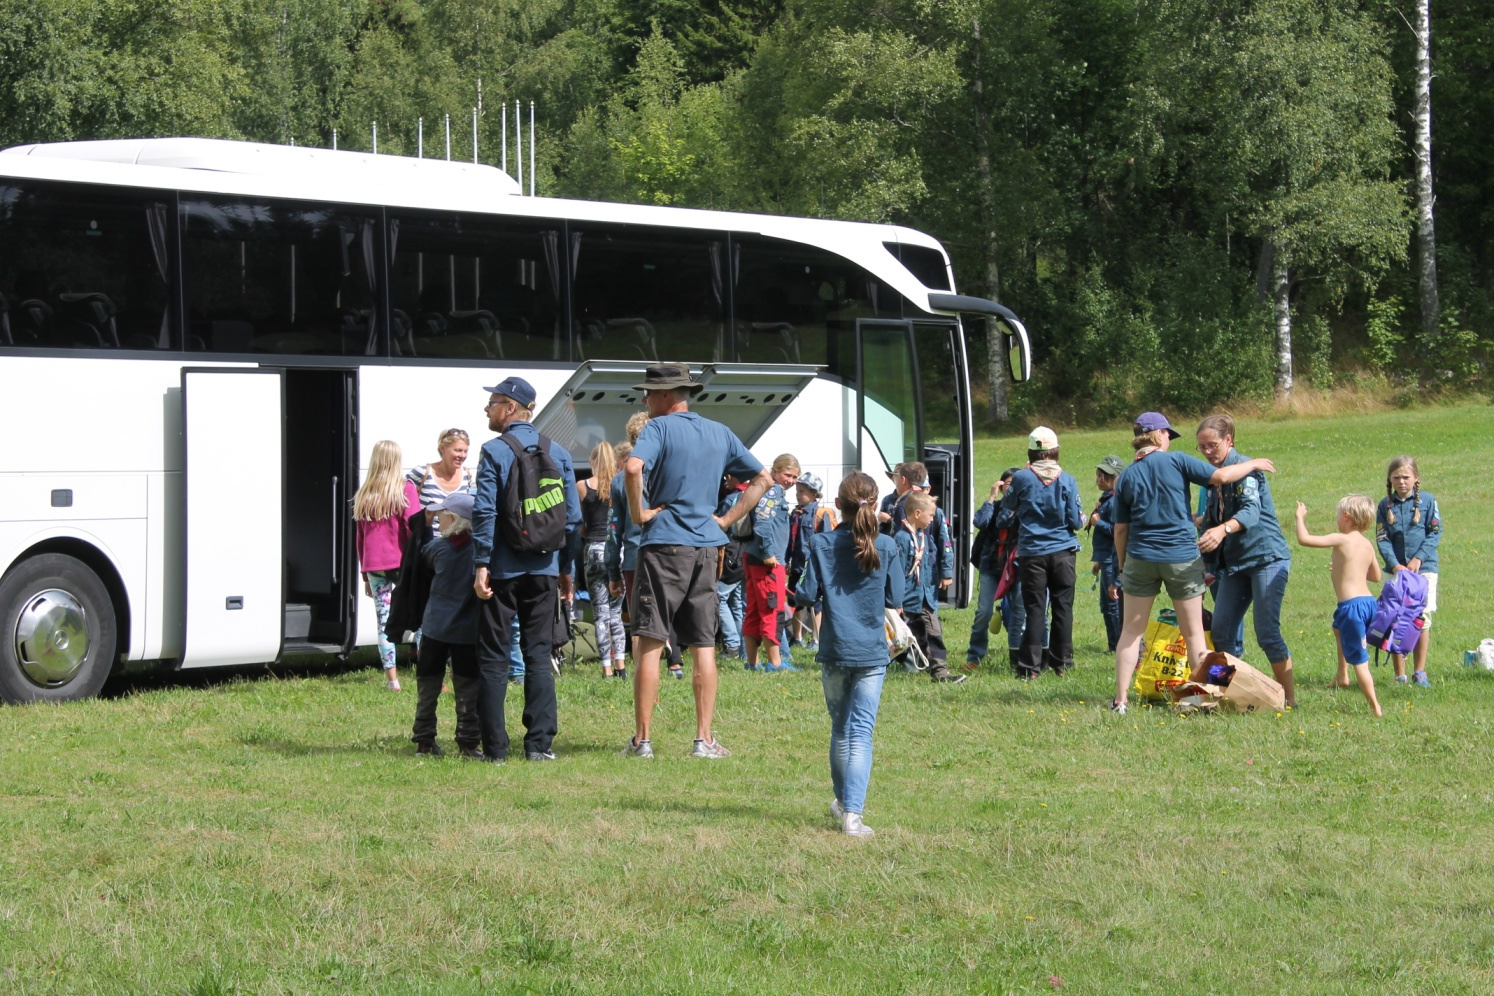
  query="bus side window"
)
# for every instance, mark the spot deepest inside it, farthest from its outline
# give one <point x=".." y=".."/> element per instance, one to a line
<point x="81" y="268"/>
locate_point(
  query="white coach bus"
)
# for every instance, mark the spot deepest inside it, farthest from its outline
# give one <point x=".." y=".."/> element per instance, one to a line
<point x="200" y="342"/>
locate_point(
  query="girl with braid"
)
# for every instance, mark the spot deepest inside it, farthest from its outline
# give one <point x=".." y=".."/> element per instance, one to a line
<point x="856" y="570"/>
<point x="1408" y="528"/>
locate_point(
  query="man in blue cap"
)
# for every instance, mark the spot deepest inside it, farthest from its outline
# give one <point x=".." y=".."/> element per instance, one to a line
<point x="513" y="583"/>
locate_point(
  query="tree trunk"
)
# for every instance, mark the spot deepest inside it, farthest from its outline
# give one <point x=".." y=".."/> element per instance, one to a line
<point x="1281" y="306"/>
<point x="1426" y="237"/>
<point x="995" y="349"/>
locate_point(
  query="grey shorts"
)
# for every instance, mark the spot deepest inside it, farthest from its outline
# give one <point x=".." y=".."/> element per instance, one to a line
<point x="674" y="594"/>
<point x="1143" y="579"/>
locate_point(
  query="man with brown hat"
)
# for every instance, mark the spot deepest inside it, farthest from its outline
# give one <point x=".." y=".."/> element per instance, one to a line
<point x="684" y="457"/>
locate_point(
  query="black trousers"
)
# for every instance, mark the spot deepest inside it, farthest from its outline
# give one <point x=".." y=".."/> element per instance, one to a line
<point x="430" y="672"/>
<point x="532" y="598"/>
<point x="929" y="633"/>
<point x="1051" y="574"/>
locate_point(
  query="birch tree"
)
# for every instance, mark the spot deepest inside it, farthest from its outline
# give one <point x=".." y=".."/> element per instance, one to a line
<point x="1426" y="233"/>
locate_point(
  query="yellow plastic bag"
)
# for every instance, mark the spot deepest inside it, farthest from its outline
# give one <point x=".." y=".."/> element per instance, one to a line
<point x="1164" y="662"/>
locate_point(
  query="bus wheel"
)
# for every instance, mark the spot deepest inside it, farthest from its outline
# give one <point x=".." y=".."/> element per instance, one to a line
<point x="57" y="631"/>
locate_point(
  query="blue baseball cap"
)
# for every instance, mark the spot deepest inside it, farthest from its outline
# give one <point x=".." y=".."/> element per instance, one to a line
<point x="517" y="388"/>
<point x="812" y="482"/>
<point x="1151" y="422"/>
<point x="457" y="503"/>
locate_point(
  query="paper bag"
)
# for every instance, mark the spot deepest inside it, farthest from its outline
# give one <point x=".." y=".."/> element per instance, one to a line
<point x="1248" y="690"/>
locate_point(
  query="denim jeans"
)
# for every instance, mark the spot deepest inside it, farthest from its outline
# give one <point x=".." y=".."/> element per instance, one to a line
<point x="1110" y="609"/>
<point x="852" y="695"/>
<point x="515" y="653"/>
<point x="985" y="607"/>
<point x="1262" y="587"/>
<point x="733" y="607"/>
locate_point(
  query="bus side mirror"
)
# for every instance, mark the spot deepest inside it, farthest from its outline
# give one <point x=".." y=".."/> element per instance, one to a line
<point x="1018" y="349"/>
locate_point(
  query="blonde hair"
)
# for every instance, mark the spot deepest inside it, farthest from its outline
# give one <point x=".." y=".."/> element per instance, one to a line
<point x="635" y="425"/>
<point x="1359" y="510"/>
<point x="784" y="461"/>
<point x="918" y="501"/>
<point x="603" y="467"/>
<point x="1396" y="464"/>
<point x="383" y="493"/>
<point x="450" y="436"/>
<point x="1157" y="438"/>
<point x="622" y="451"/>
<point x="857" y="500"/>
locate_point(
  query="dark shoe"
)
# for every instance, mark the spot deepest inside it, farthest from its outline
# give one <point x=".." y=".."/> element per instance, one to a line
<point x="430" y="750"/>
<point x="473" y="754"/>
<point x="677" y="672"/>
<point x="540" y="755"/>
<point x="945" y="676"/>
<point x="620" y="672"/>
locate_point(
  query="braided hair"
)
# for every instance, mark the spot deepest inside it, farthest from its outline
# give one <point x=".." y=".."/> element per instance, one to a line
<point x="1397" y="464"/>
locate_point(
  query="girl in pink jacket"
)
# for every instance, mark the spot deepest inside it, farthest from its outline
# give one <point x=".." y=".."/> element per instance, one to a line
<point x="381" y="509"/>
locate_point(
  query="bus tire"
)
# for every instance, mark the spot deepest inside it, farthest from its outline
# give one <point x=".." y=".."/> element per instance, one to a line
<point x="57" y="631"/>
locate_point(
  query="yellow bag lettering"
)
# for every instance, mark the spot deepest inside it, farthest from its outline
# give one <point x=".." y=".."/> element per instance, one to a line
<point x="548" y="499"/>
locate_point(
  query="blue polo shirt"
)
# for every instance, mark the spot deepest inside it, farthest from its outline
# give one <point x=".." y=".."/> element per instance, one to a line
<point x="1152" y="497"/>
<point x="851" y="631"/>
<point x="487" y="500"/>
<point x="684" y="457"/>
<point x="1404" y="540"/>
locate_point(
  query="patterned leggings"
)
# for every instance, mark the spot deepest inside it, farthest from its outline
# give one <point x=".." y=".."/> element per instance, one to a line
<point x="612" y="642"/>
<point x="382" y="587"/>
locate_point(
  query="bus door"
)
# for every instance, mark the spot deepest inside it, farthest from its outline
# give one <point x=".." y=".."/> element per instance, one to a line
<point x="232" y="470"/>
<point x="268" y="482"/>
<point x="910" y="406"/>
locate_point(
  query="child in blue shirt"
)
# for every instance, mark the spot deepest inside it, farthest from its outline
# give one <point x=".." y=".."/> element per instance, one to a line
<point x="1408" y="529"/>
<point x="919" y="563"/>
<point x="856" y="571"/>
<point x="1102" y="552"/>
<point x="1046" y="500"/>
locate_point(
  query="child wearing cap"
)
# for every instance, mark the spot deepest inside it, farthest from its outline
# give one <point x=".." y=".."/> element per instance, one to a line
<point x="1045" y="499"/>
<point x="1101" y="526"/>
<point x="449" y="631"/>
<point x="808" y="518"/>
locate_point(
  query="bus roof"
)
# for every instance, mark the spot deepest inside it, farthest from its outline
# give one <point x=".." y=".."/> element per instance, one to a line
<point x="208" y="165"/>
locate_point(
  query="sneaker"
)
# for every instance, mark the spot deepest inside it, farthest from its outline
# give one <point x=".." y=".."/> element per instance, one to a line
<point x="1119" y="708"/>
<point x="785" y="666"/>
<point x="969" y="665"/>
<point x="1420" y="678"/>
<point x="620" y="672"/>
<point x="539" y="755"/>
<point x="677" y="672"/>
<point x="851" y="826"/>
<point x="429" y="750"/>
<point x="749" y="667"/>
<point x="813" y="646"/>
<point x="836" y="813"/>
<point x="1401" y="679"/>
<point x="393" y="683"/>
<point x="709" y="748"/>
<point x="473" y="754"/>
<point x="638" y="748"/>
<point x="947" y="677"/>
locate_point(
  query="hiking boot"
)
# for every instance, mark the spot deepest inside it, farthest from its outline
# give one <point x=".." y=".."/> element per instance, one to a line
<point x="1419" y="678"/>
<point x="429" y="750"/>
<point x="709" y="749"/>
<point x="638" y="748"/>
<point x="851" y="826"/>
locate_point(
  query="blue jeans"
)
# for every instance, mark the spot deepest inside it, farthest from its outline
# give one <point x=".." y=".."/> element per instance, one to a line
<point x="1263" y="587"/>
<point x="515" y="654"/>
<point x="1110" y="609"/>
<point x="985" y="607"/>
<point x="852" y="695"/>
<point x="732" y="608"/>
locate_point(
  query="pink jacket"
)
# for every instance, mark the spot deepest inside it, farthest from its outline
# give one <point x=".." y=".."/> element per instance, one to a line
<point x="381" y="544"/>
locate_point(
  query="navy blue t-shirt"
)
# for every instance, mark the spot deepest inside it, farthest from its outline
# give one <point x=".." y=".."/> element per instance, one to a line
<point x="1152" y="496"/>
<point x="684" y="457"/>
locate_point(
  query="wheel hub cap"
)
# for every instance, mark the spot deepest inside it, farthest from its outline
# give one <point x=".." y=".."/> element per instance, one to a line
<point x="52" y="638"/>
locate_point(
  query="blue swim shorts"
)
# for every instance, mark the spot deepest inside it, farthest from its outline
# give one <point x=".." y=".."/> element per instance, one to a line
<point x="1352" y="619"/>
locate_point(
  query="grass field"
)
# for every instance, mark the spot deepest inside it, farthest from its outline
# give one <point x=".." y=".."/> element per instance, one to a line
<point x="278" y="834"/>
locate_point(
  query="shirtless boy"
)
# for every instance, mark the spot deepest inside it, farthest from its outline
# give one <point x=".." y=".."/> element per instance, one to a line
<point x="1354" y="566"/>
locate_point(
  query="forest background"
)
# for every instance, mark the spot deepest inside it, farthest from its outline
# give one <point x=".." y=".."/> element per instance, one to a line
<point x="1155" y="186"/>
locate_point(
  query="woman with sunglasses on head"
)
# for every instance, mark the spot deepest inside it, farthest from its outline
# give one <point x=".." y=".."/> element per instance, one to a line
<point x="445" y="476"/>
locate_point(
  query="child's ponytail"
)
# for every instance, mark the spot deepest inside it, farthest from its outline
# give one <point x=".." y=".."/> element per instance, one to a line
<point x="857" y="501"/>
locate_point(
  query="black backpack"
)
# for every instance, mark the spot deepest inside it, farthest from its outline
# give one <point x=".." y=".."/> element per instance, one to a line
<point x="732" y="571"/>
<point x="534" y="512"/>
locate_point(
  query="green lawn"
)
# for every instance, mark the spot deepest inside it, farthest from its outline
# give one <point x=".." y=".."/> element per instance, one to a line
<point x="278" y="834"/>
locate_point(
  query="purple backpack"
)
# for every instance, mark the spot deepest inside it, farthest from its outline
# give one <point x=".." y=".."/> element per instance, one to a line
<point x="1398" y="617"/>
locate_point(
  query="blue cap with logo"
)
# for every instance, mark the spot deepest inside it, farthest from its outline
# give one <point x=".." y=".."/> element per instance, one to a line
<point x="516" y="388"/>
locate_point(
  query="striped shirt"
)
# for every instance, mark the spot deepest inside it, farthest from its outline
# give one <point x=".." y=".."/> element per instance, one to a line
<point x="431" y="492"/>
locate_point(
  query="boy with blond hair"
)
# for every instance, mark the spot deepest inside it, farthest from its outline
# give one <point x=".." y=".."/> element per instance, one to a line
<point x="1354" y="566"/>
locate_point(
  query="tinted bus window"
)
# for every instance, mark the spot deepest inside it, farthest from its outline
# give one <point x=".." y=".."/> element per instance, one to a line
<point x="939" y="385"/>
<point x="795" y="304"/>
<point x="82" y="268"/>
<point x="476" y="287"/>
<point x="647" y="294"/>
<point x="275" y="277"/>
<point x="924" y="263"/>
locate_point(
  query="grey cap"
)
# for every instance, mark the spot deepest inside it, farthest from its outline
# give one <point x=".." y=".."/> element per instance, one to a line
<point x="458" y="503"/>
<point x="1111" y="465"/>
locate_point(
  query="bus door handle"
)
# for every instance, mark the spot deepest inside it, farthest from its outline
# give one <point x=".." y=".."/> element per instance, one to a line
<point x="335" y="531"/>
